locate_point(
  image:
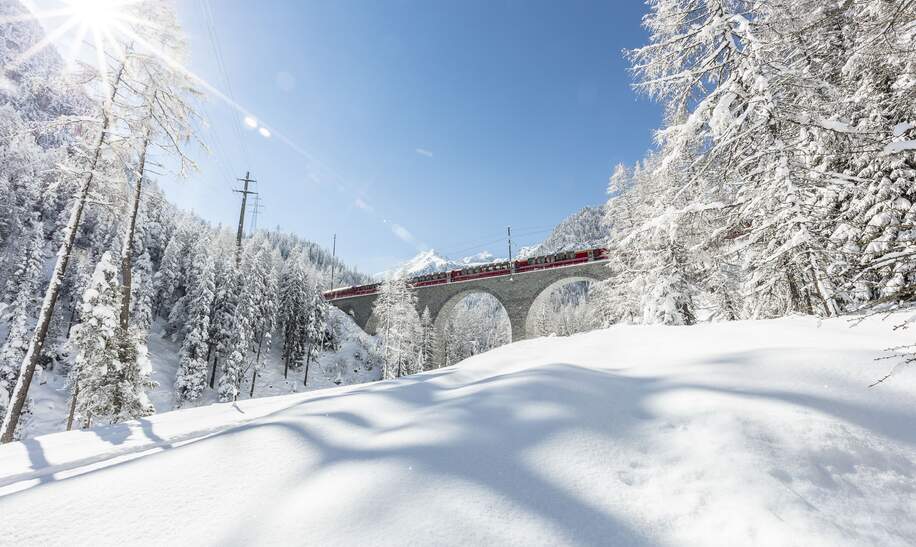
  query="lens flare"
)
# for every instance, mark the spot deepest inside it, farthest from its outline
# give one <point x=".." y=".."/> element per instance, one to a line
<point x="98" y="15"/>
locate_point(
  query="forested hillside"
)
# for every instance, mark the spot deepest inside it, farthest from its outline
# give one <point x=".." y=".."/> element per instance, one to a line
<point x="784" y="178"/>
<point x="138" y="263"/>
<point x="582" y="230"/>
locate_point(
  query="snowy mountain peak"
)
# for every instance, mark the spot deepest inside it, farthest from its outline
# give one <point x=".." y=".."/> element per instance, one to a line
<point x="429" y="261"/>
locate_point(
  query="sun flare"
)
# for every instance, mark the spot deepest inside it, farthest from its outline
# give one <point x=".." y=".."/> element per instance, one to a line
<point x="100" y="15"/>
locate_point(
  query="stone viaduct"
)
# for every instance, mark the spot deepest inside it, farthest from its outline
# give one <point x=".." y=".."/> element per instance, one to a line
<point x="521" y="294"/>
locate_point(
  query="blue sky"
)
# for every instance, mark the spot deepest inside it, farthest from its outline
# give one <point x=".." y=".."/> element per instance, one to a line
<point x="403" y="125"/>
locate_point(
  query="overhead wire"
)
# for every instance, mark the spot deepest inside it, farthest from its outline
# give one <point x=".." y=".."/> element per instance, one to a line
<point x="502" y="238"/>
<point x="224" y="72"/>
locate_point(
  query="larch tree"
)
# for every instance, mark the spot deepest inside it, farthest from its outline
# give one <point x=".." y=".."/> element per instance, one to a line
<point x="157" y="112"/>
<point x="109" y="128"/>
<point x="92" y="152"/>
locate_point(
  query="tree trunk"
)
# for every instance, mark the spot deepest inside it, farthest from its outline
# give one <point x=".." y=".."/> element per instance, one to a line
<point x="72" y="316"/>
<point x="76" y="392"/>
<point x="257" y="363"/>
<point x="127" y="246"/>
<point x="30" y="361"/>
<point x="308" y="358"/>
<point x="213" y="371"/>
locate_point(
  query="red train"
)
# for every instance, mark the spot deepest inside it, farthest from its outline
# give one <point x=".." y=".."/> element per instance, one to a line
<point x="558" y="260"/>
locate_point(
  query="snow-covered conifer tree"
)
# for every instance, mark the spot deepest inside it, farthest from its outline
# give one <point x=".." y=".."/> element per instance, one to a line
<point x="21" y="314"/>
<point x="192" y="367"/>
<point x="105" y="387"/>
<point x="398" y="328"/>
<point x="429" y="341"/>
<point x="293" y="301"/>
<point x="315" y="329"/>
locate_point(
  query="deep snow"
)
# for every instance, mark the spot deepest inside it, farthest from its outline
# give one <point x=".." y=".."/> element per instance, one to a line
<point x="351" y="364"/>
<point x="755" y="432"/>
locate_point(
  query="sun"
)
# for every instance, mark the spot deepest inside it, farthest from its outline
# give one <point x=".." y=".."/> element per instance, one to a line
<point x="98" y="25"/>
<point x="99" y="15"/>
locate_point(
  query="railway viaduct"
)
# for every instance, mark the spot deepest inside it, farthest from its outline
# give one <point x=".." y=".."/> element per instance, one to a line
<point x="521" y="294"/>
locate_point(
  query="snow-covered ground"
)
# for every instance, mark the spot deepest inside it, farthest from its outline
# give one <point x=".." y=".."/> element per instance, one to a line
<point x="50" y="393"/>
<point x="721" y="434"/>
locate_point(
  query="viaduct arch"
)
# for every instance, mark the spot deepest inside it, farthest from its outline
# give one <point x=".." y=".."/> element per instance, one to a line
<point x="519" y="293"/>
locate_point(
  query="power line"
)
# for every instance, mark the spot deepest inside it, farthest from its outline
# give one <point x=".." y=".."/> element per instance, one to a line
<point x="500" y="239"/>
<point x="224" y="72"/>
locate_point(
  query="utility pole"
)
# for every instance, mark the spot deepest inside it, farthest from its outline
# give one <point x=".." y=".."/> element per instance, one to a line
<point x="244" y="191"/>
<point x="509" y="235"/>
<point x="333" y="259"/>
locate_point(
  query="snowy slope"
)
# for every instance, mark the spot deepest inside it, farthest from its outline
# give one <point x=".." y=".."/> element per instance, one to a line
<point x="581" y="230"/>
<point x="720" y="434"/>
<point x="351" y="364"/>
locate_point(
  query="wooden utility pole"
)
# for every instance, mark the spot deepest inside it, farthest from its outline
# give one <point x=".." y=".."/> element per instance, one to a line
<point x="244" y="191"/>
<point x="333" y="259"/>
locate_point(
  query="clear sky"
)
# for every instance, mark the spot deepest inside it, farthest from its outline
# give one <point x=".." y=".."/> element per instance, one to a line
<point x="405" y="125"/>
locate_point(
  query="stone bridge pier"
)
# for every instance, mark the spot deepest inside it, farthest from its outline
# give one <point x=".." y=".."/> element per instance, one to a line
<point x="520" y="294"/>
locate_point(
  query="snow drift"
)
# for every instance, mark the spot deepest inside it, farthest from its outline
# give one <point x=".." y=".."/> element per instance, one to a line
<point x="733" y="433"/>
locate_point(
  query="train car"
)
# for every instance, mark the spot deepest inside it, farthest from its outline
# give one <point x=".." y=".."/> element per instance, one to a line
<point x="349" y="292"/>
<point x="429" y="280"/>
<point x="481" y="272"/>
<point x="564" y="258"/>
<point x="535" y="263"/>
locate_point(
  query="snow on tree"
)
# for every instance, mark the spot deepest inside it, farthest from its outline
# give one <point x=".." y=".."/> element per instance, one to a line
<point x="20" y="312"/>
<point x="225" y="326"/>
<point x="87" y="166"/>
<point x="293" y="308"/>
<point x="192" y="366"/>
<point x="233" y="368"/>
<point x="141" y="309"/>
<point x="398" y="329"/>
<point x="477" y="324"/>
<point x="158" y="110"/>
<point x="258" y="302"/>
<point x="106" y="387"/>
<point x="166" y="280"/>
<point x="429" y="340"/>
<point x="315" y="329"/>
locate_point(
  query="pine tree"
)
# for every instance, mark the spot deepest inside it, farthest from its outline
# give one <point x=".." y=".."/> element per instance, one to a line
<point x="429" y="341"/>
<point x="141" y="310"/>
<point x="192" y="366"/>
<point x="29" y="278"/>
<point x="258" y="304"/>
<point x="292" y="311"/>
<point x="166" y="280"/>
<point x="225" y="324"/>
<point x="315" y="329"/>
<point x="107" y="388"/>
<point x="398" y="328"/>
